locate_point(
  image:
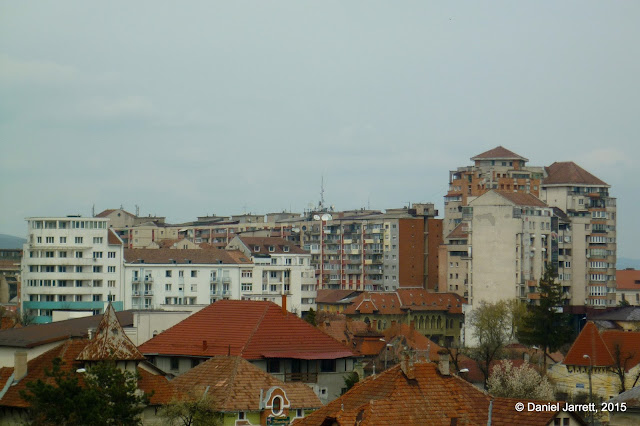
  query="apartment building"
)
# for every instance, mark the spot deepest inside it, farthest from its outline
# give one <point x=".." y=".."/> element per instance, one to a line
<point x="282" y="272"/>
<point x="587" y="239"/>
<point x="581" y="244"/>
<point x="71" y="263"/>
<point x="139" y="231"/>
<point x="498" y="169"/>
<point x="155" y="278"/>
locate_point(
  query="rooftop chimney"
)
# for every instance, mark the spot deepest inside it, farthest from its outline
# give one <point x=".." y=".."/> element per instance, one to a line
<point x="19" y="365"/>
<point x="443" y="363"/>
<point x="284" y="304"/>
<point x="407" y="366"/>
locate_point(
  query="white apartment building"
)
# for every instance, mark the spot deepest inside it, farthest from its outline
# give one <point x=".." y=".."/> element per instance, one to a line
<point x="157" y="278"/>
<point x="281" y="272"/>
<point x="71" y="263"/>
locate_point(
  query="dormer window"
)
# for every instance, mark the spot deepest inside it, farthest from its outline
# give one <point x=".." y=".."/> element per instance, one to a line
<point x="272" y="249"/>
<point x="285" y="249"/>
<point x="256" y="248"/>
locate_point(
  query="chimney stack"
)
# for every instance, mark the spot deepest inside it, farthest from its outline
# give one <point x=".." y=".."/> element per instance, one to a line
<point x="443" y="363"/>
<point x="284" y="304"/>
<point x="407" y="366"/>
<point x="19" y="365"/>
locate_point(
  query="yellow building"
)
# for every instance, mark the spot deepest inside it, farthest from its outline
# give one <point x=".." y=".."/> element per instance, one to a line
<point x="607" y="355"/>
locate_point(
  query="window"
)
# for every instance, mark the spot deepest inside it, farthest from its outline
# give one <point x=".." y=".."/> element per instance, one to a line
<point x="62" y="268"/>
<point x="78" y="268"/>
<point x="273" y="288"/>
<point x="247" y="287"/>
<point x="194" y="288"/>
<point x="78" y="255"/>
<point x="175" y="363"/>
<point x="241" y="415"/>
<point x="78" y="240"/>
<point x="273" y="274"/>
<point x="111" y="283"/>
<point x="167" y="273"/>
<point x="328" y="366"/>
<point x="49" y="240"/>
<point x="62" y="254"/>
<point x="287" y="261"/>
<point x="97" y="240"/>
<point x="97" y="269"/>
<point x="48" y="254"/>
<point x="111" y="298"/>
<point x="567" y="264"/>
<point x="111" y="269"/>
<point x="111" y="255"/>
<point x="39" y="240"/>
<point x="167" y="287"/>
<point x="97" y="297"/>
<point x="246" y="273"/>
<point x="272" y="249"/>
<point x="274" y="261"/>
<point x="97" y="255"/>
<point x="285" y="249"/>
<point x="273" y="365"/>
<point x="194" y="274"/>
<point x="181" y="273"/>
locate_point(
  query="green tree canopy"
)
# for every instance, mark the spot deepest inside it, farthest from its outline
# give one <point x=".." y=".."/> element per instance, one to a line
<point x="545" y="324"/>
<point x="108" y="397"/>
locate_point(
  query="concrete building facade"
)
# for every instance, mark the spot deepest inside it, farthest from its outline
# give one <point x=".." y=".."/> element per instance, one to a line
<point x="71" y="263"/>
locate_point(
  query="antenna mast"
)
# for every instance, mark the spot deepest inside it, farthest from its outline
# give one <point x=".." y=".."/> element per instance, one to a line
<point x="322" y="193"/>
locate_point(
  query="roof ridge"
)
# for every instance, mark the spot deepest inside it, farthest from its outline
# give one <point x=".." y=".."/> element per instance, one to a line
<point x="257" y="327"/>
<point x="232" y="380"/>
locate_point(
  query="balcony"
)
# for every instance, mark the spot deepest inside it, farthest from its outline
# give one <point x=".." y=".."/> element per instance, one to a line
<point x="136" y="294"/>
<point x="148" y="292"/>
<point x="214" y="280"/>
<point x="301" y="377"/>
<point x="148" y="279"/>
<point x="226" y="280"/>
<point x="135" y="280"/>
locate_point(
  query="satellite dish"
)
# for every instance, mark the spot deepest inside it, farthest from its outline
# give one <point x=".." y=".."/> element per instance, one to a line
<point x="316" y="217"/>
<point x="326" y="217"/>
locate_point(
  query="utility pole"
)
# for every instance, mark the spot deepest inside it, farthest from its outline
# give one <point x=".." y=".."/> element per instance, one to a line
<point x="585" y="356"/>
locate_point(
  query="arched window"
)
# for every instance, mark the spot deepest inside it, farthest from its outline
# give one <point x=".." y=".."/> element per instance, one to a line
<point x="433" y="322"/>
<point x="439" y="322"/>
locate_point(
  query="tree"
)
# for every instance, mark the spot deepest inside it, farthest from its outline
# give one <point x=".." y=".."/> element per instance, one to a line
<point x="491" y="325"/>
<point x="351" y="379"/>
<point x="544" y="324"/>
<point x="621" y="364"/>
<point x="623" y="303"/>
<point x="519" y="382"/>
<point x="191" y="411"/>
<point x="311" y="317"/>
<point x="108" y="397"/>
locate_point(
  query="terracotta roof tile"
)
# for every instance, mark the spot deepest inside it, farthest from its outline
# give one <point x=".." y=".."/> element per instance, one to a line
<point x="589" y="342"/>
<point x="428" y="399"/>
<point x="251" y="329"/>
<point x="183" y="256"/>
<point x="460" y="231"/>
<point x="333" y="296"/>
<point x="110" y="342"/>
<point x="623" y="347"/>
<point x="112" y="238"/>
<point x="67" y="351"/>
<point x="498" y="153"/>
<point x="628" y="279"/>
<point x="235" y="384"/>
<point x="522" y="199"/>
<point x="161" y="390"/>
<point x="39" y="334"/>
<point x="568" y="172"/>
<point x="265" y="243"/>
<point x="396" y="303"/>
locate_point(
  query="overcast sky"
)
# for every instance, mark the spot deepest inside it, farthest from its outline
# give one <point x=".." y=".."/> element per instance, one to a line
<point x="193" y="108"/>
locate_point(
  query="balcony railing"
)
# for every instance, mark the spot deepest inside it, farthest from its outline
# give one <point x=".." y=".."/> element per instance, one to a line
<point x="301" y="377"/>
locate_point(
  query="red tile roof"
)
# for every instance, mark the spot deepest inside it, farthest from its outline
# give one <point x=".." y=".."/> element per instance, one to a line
<point x="589" y="342"/>
<point x="568" y="172"/>
<point x="498" y="153"/>
<point x="391" y="398"/>
<point x="333" y="296"/>
<point x="403" y="299"/>
<point x="245" y="328"/>
<point x="183" y="256"/>
<point x="264" y="243"/>
<point x="522" y="199"/>
<point x="235" y="385"/>
<point x="161" y="390"/>
<point x="419" y="299"/>
<point x="628" y="279"/>
<point x="107" y="212"/>
<point x="68" y="352"/>
<point x="460" y="231"/>
<point x="403" y="335"/>
<point x="112" y="238"/>
<point x="110" y="342"/>
<point x="343" y="330"/>
<point x="624" y="347"/>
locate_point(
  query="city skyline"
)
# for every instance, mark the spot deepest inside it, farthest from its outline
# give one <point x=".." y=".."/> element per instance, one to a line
<point x="188" y="110"/>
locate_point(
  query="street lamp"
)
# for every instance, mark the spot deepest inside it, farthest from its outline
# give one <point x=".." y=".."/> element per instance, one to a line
<point x="585" y="356"/>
